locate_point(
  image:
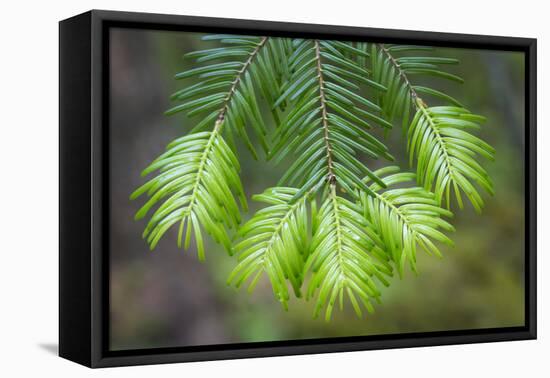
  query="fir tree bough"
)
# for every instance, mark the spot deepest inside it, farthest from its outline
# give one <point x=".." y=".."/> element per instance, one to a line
<point x="333" y="229"/>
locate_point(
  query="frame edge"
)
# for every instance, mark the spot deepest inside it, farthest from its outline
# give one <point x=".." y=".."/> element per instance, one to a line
<point x="97" y="358"/>
<point x="74" y="189"/>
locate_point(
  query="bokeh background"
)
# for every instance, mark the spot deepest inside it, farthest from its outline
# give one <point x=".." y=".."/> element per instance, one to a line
<point x="166" y="298"/>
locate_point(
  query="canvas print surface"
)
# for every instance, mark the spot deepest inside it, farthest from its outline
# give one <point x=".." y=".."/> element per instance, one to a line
<point x="269" y="189"/>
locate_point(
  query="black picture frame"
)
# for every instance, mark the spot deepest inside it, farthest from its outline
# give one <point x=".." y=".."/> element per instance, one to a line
<point x="84" y="200"/>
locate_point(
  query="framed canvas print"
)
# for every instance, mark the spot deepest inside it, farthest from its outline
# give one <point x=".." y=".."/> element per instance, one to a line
<point x="233" y="188"/>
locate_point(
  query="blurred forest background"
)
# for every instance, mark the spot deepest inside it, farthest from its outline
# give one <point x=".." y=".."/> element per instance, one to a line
<point x="166" y="298"/>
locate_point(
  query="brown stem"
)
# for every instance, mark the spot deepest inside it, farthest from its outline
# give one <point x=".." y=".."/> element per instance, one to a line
<point x="237" y="80"/>
<point x="217" y="127"/>
<point x="324" y="118"/>
<point x="402" y="74"/>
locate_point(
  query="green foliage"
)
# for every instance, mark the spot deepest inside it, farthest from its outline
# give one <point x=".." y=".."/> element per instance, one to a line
<point x="228" y="89"/>
<point x="198" y="179"/>
<point x="345" y="257"/>
<point x="405" y="217"/>
<point x="396" y="73"/>
<point x="445" y="153"/>
<point x="199" y="174"/>
<point x="274" y="242"/>
<point x="327" y="100"/>
<point x="329" y="120"/>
